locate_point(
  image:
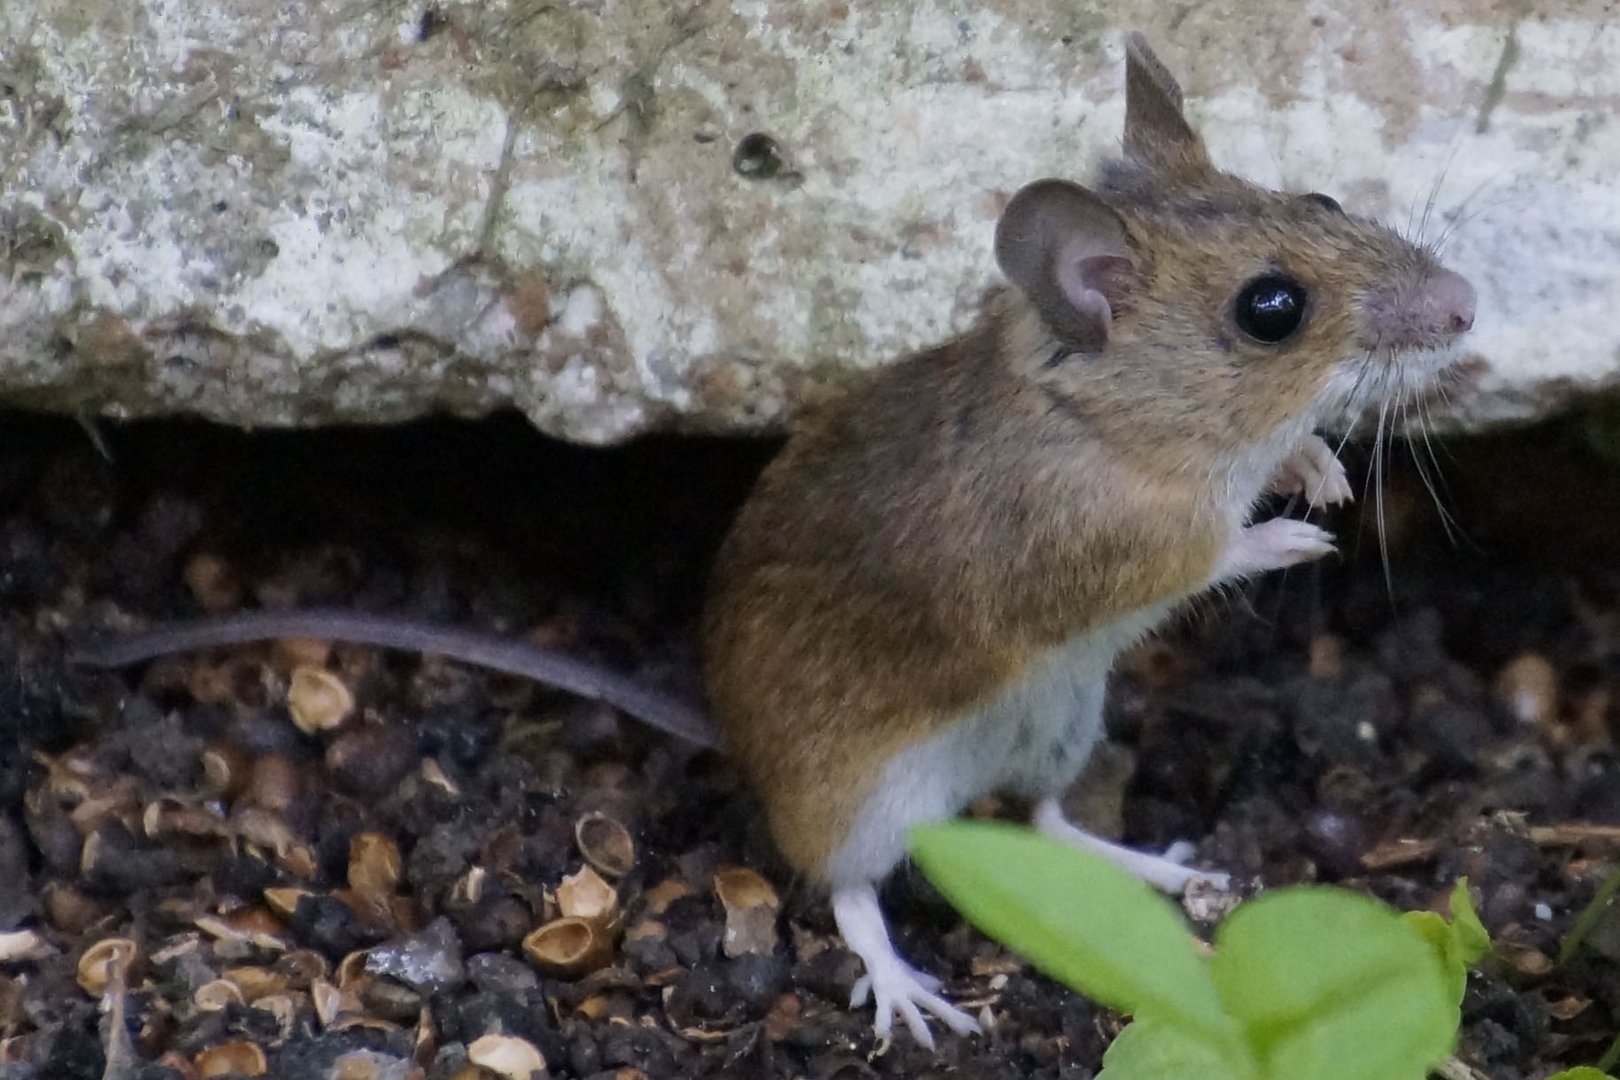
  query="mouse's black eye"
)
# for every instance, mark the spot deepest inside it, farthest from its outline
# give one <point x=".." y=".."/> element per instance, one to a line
<point x="1325" y="200"/>
<point x="1270" y="308"/>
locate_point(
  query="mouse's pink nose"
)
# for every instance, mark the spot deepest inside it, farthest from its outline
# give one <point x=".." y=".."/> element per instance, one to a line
<point x="1449" y="299"/>
<point x="1424" y="314"/>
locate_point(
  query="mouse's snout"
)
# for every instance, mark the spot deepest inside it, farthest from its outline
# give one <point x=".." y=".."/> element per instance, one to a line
<point x="1449" y="302"/>
<point x="1427" y="315"/>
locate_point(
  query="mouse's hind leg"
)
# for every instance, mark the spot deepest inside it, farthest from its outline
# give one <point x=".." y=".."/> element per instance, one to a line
<point x="927" y="782"/>
<point x="1048" y="767"/>
<point x="1166" y="872"/>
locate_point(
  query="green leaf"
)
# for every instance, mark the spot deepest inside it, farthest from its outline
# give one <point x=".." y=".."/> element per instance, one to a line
<point x="1152" y="1050"/>
<point x="1083" y="921"/>
<point x="1443" y="940"/>
<point x="1473" y="941"/>
<point x="1459" y="943"/>
<point x="1585" y="1072"/>
<point x="1332" y="985"/>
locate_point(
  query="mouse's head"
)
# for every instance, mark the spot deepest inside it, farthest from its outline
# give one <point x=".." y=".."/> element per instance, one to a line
<point x="1190" y="296"/>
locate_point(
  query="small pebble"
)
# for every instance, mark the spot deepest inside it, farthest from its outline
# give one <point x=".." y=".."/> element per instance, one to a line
<point x="429" y="960"/>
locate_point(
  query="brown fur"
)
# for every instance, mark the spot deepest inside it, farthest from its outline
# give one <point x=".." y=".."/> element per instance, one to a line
<point x="921" y="540"/>
<point x="876" y="588"/>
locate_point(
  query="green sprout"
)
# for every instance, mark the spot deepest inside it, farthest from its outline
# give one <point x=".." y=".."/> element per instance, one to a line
<point x="1305" y="983"/>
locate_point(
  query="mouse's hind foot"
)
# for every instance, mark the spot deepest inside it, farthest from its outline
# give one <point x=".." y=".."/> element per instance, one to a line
<point x="894" y="986"/>
<point x="1166" y="872"/>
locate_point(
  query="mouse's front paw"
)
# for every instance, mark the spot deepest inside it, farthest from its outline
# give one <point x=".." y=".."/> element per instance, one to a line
<point x="1313" y="470"/>
<point x="1272" y="545"/>
<point x="899" y="988"/>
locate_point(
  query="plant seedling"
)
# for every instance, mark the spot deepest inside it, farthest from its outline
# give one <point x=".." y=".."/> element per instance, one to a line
<point x="1305" y="983"/>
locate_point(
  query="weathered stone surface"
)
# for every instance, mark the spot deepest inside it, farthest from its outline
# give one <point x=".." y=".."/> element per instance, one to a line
<point x="622" y="215"/>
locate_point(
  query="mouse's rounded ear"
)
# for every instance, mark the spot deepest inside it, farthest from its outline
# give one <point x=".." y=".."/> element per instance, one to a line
<point x="1066" y="250"/>
<point x="1156" y="131"/>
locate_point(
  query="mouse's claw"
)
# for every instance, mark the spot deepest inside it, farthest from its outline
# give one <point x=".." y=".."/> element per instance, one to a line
<point x="899" y="988"/>
<point x="1272" y="545"/>
<point x="1313" y="470"/>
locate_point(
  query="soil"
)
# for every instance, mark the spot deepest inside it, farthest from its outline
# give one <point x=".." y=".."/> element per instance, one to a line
<point x="311" y="861"/>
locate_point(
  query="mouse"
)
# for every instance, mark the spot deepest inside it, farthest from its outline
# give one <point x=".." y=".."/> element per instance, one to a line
<point x="921" y="599"/>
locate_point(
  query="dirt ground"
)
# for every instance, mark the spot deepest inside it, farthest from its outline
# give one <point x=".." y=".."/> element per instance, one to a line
<point x="311" y="862"/>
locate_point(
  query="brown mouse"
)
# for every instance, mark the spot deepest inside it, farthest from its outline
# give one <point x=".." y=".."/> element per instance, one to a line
<point x="922" y="598"/>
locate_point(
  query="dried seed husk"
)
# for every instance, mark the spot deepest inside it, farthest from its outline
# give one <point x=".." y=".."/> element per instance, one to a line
<point x="118" y="800"/>
<point x="1527" y="687"/>
<point x="373" y="1065"/>
<point x="751" y="907"/>
<point x="374" y="864"/>
<point x="302" y="967"/>
<point x="264" y="829"/>
<point x="647" y="930"/>
<point x="290" y="654"/>
<point x="585" y="895"/>
<point x="225" y="770"/>
<point x="370" y="760"/>
<point x="389" y="999"/>
<point x="183" y="944"/>
<point x="212" y="582"/>
<point x="739" y="886"/>
<point x="170" y="816"/>
<point x="1567" y="1007"/>
<point x="274" y="783"/>
<point x="506" y="1056"/>
<point x="426" y="1044"/>
<point x="594" y="1008"/>
<point x="434" y="774"/>
<point x="255" y="926"/>
<point x="568" y="947"/>
<point x="352" y="968"/>
<point x="284" y="1007"/>
<point x="299" y="861"/>
<point x="350" y="1021"/>
<point x="318" y="700"/>
<point x="256" y="982"/>
<point x="330" y="1002"/>
<point x="69" y="910"/>
<point x="217" y="994"/>
<point x="214" y="683"/>
<point x="469" y="888"/>
<point x="240" y="1056"/>
<point x="369" y="906"/>
<point x="1527" y="961"/>
<point x="657" y="899"/>
<point x="70" y="777"/>
<point x="606" y="844"/>
<point x="19" y="945"/>
<point x="106" y="964"/>
<point x="784" y="1018"/>
<point x="283" y="899"/>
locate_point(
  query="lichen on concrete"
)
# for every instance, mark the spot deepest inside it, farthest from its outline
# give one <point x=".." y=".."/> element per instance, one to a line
<point x="622" y="216"/>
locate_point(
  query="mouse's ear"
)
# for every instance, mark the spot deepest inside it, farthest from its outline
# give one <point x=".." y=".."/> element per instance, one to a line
<point x="1156" y="132"/>
<point x="1066" y="250"/>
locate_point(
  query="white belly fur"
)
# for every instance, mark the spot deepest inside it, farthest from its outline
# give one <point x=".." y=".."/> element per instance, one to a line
<point x="1033" y="738"/>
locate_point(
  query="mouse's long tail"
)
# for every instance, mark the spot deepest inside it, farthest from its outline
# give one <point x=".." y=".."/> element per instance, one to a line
<point x="660" y="709"/>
